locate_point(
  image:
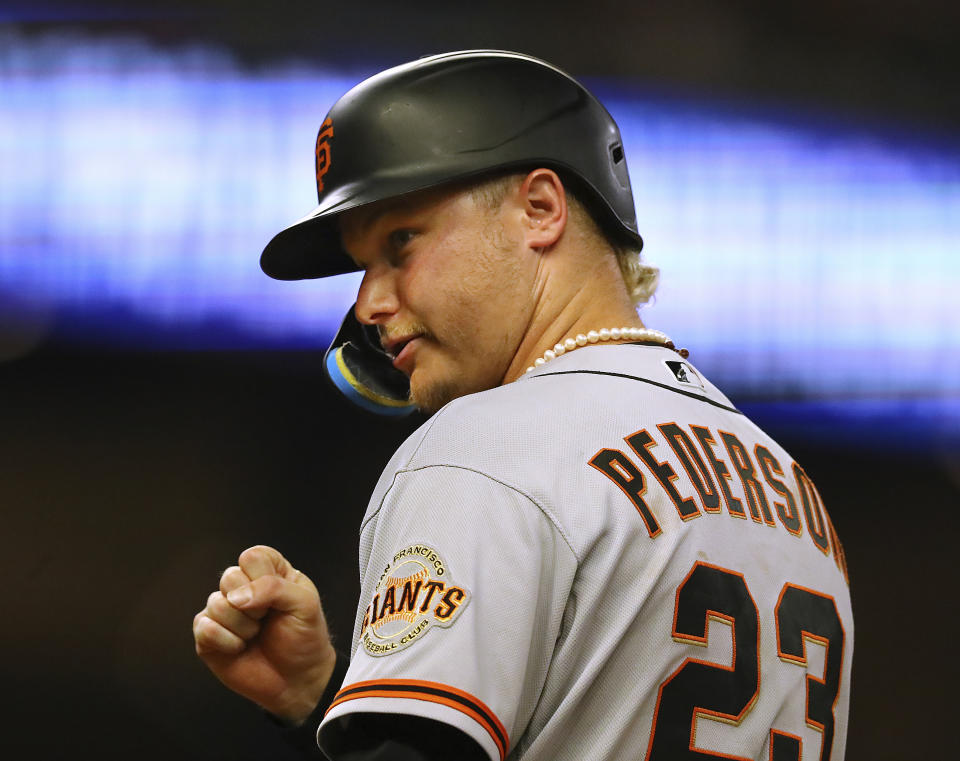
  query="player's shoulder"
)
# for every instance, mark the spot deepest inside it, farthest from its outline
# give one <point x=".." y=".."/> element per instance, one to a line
<point x="578" y="397"/>
<point x="464" y="429"/>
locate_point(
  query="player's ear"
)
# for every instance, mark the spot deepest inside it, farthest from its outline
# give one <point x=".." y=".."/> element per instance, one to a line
<point x="544" y="203"/>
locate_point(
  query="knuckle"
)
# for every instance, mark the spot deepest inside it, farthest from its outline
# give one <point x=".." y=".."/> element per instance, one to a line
<point x="203" y="632"/>
<point x="232" y="578"/>
<point x="210" y="638"/>
<point x="218" y="608"/>
<point x="252" y="553"/>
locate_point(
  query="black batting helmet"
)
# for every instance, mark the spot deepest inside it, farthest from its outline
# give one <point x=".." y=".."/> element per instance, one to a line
<point x="452" y="117"/>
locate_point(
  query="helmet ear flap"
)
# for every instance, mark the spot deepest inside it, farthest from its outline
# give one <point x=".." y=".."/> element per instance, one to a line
<point x="361" y="370"/>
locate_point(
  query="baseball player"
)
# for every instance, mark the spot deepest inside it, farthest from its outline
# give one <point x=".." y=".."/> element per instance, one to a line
<point x="587" y="552"/>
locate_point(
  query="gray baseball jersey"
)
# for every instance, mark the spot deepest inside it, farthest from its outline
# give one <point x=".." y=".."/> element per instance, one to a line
<point x="604" y="560"/>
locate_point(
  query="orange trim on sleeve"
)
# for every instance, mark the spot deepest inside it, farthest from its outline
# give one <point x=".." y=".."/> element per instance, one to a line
<point x="432" y="692"/>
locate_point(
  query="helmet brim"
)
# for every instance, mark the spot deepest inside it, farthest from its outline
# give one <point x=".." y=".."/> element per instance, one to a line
<point x="309" y="248"/>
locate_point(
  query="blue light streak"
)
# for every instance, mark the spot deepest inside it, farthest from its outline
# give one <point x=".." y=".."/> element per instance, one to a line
<point x="798" y="259"/>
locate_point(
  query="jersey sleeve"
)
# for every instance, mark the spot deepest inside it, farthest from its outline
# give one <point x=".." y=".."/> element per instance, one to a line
<point x="462" y="604"/>
<point x="396" y="737"/>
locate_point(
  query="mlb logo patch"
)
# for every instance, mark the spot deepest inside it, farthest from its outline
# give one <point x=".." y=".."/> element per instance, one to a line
<point x="684" y="374"/>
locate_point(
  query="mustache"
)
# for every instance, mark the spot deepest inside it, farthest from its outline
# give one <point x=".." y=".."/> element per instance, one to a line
<point x="391" y="333"/>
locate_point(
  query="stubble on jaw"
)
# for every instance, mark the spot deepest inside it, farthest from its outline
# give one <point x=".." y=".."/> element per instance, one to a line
<point x="431" y="397"/>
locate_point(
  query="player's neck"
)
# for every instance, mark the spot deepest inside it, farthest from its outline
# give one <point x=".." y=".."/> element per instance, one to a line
<point x="578" y="313"/>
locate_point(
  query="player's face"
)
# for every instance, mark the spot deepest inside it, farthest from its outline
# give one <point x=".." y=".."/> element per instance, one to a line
<point x="448" y="284"/>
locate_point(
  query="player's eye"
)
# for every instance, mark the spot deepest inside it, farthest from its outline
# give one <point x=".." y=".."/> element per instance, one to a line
<point x="399" y="239"/>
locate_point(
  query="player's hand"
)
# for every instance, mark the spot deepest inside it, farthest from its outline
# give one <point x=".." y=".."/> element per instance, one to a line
<point x="264" y="635"/>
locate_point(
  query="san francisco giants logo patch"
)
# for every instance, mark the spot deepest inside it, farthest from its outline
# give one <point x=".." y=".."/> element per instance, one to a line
<point x="414" y="594"/>
<point x="324" y="136"/>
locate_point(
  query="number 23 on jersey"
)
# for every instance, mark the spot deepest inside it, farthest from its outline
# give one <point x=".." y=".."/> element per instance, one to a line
<point x="699" y="688"/>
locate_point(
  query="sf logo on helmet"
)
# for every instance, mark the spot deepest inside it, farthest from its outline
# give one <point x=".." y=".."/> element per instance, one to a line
<point x="323" y="152"/>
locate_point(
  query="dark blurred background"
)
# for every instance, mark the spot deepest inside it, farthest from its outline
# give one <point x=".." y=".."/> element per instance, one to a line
<point x="797" y="172"/>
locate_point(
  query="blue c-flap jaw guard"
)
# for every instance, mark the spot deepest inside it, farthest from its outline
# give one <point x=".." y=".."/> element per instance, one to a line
<point x="363" y="372"/>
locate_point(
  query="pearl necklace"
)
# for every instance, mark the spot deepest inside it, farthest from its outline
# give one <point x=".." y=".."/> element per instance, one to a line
<point x="607" y="334"/>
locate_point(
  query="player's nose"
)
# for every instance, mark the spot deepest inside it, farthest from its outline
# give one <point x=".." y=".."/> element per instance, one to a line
<point x="377" y="298"/>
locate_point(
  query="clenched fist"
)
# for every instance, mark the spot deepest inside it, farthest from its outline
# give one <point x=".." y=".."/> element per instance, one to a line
<point x="263" y="634"/>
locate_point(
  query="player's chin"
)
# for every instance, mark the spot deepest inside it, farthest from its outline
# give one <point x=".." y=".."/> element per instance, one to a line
<point x="430" y="397"/>
<point x="430" y="390"/>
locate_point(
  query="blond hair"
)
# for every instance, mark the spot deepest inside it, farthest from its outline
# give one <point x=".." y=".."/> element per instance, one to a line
<point x="639" y="277"/>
